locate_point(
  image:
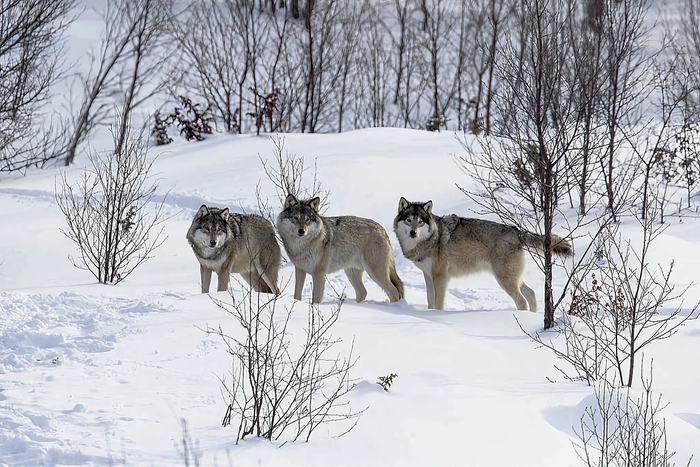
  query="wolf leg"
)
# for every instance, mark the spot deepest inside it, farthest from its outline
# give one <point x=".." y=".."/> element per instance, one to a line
<point x="223" y="277"/>
<point x="529" y="296"/>
<point x="384" y="280"/>
<point x="299" y="278"/>
<point x="355" y="278"/>
<point x="440" y="282"/>
<point x="511" y="285"/>
<point x="430" y="290"/>
<point x="319" y="285"/>
<point x="205" y="275"/>
<point x="509" y="273"/>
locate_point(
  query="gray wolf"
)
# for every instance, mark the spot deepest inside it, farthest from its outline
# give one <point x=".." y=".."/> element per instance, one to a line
<point x="235" y="243"/>
<point x="320" y="245"/>
<point x="452" y="246"/>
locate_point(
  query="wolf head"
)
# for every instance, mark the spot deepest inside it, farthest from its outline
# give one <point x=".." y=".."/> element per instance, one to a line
<point x="211" y="227"/>
<point x="299" y="217"/>
<point x="414" y="220"/>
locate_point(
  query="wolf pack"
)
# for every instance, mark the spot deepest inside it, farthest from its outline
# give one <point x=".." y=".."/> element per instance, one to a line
<point x="442" y="247"/>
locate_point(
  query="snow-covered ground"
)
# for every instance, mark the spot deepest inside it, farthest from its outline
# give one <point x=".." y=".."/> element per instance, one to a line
<point x="97" y="375"/>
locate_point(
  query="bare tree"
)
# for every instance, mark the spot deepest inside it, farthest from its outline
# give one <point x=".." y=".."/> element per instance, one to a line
<point x="281" y="71"/>
<point x="214" y="39"/>
<point x="126" y="61"/>
<point x="625" y="63"/>
<point x="587" y="49"/>
<point x="404" y="58"/>
<point x="31" y="57"/>
<point x="375" y="75"/>
<point x="351" y="21"/>
<point x="498" y="13"/>
<point x="319" y="50"/>
<point x="146" y="57"/>
<point x="107" y="211"/>
<point x="529" y="162"/>
<point x="275" y="390"/>
<point x="655" y="147"/>
<point x="438" y="26"/>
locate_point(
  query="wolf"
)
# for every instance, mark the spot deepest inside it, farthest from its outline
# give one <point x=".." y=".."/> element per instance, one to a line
<point x="452" y="246"/>
<point x="320" y="245"/>
<point x="239" y="243"/>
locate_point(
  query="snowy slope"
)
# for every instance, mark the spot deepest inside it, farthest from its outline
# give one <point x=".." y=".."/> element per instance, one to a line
<point x="97" y="375"/>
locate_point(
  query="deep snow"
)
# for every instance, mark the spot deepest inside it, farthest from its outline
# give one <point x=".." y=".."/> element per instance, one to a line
<point x="97" y="375"/>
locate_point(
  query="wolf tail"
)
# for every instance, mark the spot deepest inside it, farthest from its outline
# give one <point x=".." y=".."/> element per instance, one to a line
<point x="264" y="288"/>
<point x="396" y="280"/>
<point x="560" y="246"/>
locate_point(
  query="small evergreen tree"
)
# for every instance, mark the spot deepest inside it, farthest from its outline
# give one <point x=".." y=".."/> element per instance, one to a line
<point x="160" y="130"/>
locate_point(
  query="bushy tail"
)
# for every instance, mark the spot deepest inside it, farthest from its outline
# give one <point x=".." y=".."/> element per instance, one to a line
<point x="560" y="246"/>
<point x="396" y="280"/>
<point x="264" y="288"/>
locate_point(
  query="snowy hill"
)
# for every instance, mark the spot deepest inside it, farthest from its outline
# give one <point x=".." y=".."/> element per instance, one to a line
<point x="96" y="375"/>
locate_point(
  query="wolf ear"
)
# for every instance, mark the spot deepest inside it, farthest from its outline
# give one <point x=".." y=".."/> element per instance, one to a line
<point x="290" y="201"/>
<point x="315" y="203"/>
<point x="224" y="214"/>
<point x="203" y="211"/>
<point x="403" y="204"/>
<point x="428" y="207"/>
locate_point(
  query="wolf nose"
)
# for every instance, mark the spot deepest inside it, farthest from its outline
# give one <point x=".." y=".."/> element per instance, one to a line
<point x="212" y="242"/>
<point x="301" y="232"/>
<point x="412" y="233"/>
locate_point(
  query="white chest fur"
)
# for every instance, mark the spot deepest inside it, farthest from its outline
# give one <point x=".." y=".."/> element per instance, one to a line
<point x="214" y="265"/>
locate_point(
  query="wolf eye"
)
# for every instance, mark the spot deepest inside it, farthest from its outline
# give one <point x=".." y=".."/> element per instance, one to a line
<point x="420" y="222"/>
<point x="407" y="221"/>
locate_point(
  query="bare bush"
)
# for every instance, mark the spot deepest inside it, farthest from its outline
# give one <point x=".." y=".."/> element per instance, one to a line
<point x="274" y="389"/>
<point x="107" y="210"/>
<point x="31" y="57"/>
<point x="622" y="430"/>
<point x="617" y="309"/>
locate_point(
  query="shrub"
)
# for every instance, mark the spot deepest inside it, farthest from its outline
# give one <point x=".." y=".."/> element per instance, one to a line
<point x="191" y="119"/>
